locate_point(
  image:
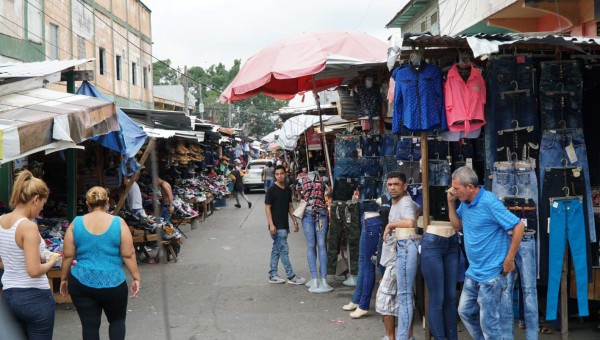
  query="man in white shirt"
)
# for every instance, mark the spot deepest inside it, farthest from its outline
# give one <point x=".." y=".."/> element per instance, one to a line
<point x="134" y="198"/>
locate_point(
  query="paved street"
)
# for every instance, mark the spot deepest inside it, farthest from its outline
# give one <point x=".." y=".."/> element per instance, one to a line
<point x="219" y="290"/>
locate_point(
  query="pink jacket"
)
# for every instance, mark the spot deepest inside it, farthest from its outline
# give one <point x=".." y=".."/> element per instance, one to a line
<point x="465" y="101"/>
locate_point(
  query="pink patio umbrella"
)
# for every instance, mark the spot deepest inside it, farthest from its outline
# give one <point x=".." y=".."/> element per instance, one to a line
<point x="312" y="61"/>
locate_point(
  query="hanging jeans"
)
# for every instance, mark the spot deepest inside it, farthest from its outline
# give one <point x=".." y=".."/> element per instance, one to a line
<point x="370" y="146"/>
<point x="567" y="223"/>
<point x="525" y="262"/>
<point x="371" y="166"/>
<point x="560" y="94"/>
<point x="344" y="188"/>
<point x="388" y="143"/>
<point x="369" y="238"/>
<point x="555" y="179"/>
<point x="438" y="202"/>
<point x="347" y="168"/>
<point x="439" y="173"/>
<point x="479" y="307"/>
<point x="314" y="226"/>
<point x="406" y="271"/>
<point x="553" y="154"/>
<point x="412" y="171"/>
<point x="346" y="147"/>
<point x="515" y="179"/>
<point x="369" y="188"/>
<point x="439" y="265"/>
<point x="343" y="220"/>
<point x="408" y="149"/>
<point x="508" y="110"/>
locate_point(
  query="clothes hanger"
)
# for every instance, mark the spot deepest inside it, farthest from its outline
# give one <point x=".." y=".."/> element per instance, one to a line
<point x="516" y="90"/>
<point x="516" y="127"/>
<point x="561" y="92"/>
<point x="567" y="196"/>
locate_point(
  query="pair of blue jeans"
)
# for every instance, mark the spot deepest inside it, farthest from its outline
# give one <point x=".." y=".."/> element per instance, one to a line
<point x="369" y="238"/>
<point x="480" y="305"/>
<point x="314" y="226"/>
<point x="514" y="180"/>
<point x="358" y="289"/>
<point x="567" y="223"/>
<point x="525" y="264"/>
<point x="440" y="173"/>
<point x="407" y="252"/>
<point x="369" y="188"/>
<point x="346" y="147"/>
<point x="33" y="310"/>
<point x="561" y="94"/>
<point x="553" y="154"/>
<point x="268" y="183"/>
<point x="348" y="168"/>
<point x="408" y="149"/>
<point x="439" y="265"/>
<point x="165" y="214"/>
<point x="370" y="146"/>
<point x="388" y="145"/>
<point x="280" y="251"/>
<point x="371" y="166"/>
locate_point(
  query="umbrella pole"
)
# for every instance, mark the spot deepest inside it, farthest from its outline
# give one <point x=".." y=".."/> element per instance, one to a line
<point x="327" y="162"/>
<point x="307" y="158"/>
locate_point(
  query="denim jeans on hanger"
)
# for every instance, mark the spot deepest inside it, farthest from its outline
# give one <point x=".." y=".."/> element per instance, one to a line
<point x="370" y="145"/>
<point x="371" y="166"/>
<point x="348" y="168"/>
<point x="369" y="188"/>
<point x="507" y="110"/>
<point x="525" y="264"/>
<point x="560" y="94"/>
<point x="369" y="238"/>
<point x="515" y="179"/>
<point x="408" y="149"/>
<point x="440" y="173"/>
<point x="555" y="179"/>
<point x="415" y="191"/>
<point x="388" y="144"/>
<point x="439" y="265"/>
<point x="438" y="203"/>
<point x="567" y="223"/>
<point x="412" y="171"/>
<point x="553" y="154"/>
<point x="346" y="147"/>
<point x="438" y="149"/>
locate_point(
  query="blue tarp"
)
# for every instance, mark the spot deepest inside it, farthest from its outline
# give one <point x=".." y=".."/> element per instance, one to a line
<point x="129" y="139"/>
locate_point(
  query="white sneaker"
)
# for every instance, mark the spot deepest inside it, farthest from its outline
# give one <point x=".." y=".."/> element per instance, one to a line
<point x="350" y="306"/>
<point x="296" y="280"/>
<point x="276" y="279"/>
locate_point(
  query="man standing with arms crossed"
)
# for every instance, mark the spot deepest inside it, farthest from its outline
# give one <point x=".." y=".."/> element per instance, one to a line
<point x="278" y="204"/>
<point x="485" y="222"/>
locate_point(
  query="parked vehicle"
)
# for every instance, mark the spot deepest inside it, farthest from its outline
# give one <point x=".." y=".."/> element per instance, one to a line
<point x="253" y="174"/>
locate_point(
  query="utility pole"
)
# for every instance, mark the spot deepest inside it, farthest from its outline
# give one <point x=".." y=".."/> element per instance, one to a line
<point x="229" y="116"/>
<point x="184" y="82"/>
<point x="200" y="104"/>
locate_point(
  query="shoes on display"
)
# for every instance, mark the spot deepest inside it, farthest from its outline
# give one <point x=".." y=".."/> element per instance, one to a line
<point x="276" y="279"/>
<point x="296" y="280"/>
<point x="358" y="313"/>
<point x="350" y="306"/>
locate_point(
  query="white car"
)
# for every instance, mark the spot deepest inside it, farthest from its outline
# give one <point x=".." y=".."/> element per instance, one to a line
<point x="253" y="174"/>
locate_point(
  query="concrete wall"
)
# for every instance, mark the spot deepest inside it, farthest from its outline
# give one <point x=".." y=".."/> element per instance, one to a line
<point x="104" y="39"/>
<point x="415" y="25"/>
<point x="458" y="15"/>
<point x="58" y="13"/>
<point x="13" y="21"/>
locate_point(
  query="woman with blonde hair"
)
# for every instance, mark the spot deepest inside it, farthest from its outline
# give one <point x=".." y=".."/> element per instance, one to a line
<point x="100" y="243"/>
<point x="26" y="290"/>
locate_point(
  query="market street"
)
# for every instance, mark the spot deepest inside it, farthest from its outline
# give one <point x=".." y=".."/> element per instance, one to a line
<point x="219" y="290"/>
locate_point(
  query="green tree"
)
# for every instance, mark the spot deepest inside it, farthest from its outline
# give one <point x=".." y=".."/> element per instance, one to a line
<point x="163" y="73"/>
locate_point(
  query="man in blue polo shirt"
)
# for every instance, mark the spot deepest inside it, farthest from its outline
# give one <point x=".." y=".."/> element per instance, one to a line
<point x="484" y="221"/>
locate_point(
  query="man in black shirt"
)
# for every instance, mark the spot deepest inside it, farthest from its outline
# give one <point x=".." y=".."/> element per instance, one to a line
<point x="278" y="204"/>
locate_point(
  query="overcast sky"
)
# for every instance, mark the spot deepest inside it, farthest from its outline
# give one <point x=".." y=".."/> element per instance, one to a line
<point x="206" y="32"/>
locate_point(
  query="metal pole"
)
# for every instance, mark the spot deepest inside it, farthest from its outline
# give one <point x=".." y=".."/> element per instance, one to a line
<point x="306" y="145"/>
<point x="327" y="162"/>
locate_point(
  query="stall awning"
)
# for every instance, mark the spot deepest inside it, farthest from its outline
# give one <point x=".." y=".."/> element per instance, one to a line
<point x="197" y="136"/>
<point x="46" y="120"/>
<point x="162" y="119"/>
<point x="129" y="139"/>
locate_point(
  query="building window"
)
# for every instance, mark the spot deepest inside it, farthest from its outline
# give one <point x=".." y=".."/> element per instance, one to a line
<point x="145" y="77"/>
<point x="118" y="66"/>
<point x="434" y="18"/>
<point x="134" y="73"/>
<point x="424" y="26"/>
<point x="102" y="60"/>
<point x="53" y="41"/>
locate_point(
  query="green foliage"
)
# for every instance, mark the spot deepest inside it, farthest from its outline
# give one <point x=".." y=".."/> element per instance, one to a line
<point x="163" y="73"/>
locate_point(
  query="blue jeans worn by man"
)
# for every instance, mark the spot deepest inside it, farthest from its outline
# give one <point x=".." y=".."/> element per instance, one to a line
<point x="479" y="308"/>
<point x="280" y="251"/>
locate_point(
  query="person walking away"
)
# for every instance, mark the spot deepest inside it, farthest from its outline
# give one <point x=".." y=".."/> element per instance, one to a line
<point x="167" y="207"/>
<point x="25" y="283"/>
<point x="100" y="243"/>
<point x="268" y="175"/>
<point x="238" y="187"/>
<point x="278" y="204"/>
<point x="402" y="220"/>
<point x="491" y="254"/>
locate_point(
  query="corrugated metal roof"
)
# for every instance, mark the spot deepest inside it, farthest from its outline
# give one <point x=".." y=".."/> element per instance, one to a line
<point x="37" y="69"/>
<point x="408" y="12"/>
<point x="162" y="119"/>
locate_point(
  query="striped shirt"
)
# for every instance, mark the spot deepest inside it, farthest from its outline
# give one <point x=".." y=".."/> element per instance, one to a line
<point x="13" y="258"/>
<point x="485" y="221"/>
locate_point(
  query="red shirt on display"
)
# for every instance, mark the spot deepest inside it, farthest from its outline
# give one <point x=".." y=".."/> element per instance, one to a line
<point x="465" y="101"/>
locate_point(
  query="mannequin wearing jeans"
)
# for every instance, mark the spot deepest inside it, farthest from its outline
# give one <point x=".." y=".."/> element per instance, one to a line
<point x="314" y="226"/>
<point x="439" y="265"/>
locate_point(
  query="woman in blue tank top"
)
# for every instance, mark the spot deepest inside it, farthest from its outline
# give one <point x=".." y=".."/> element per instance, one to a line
<point x="101" y="244"/>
